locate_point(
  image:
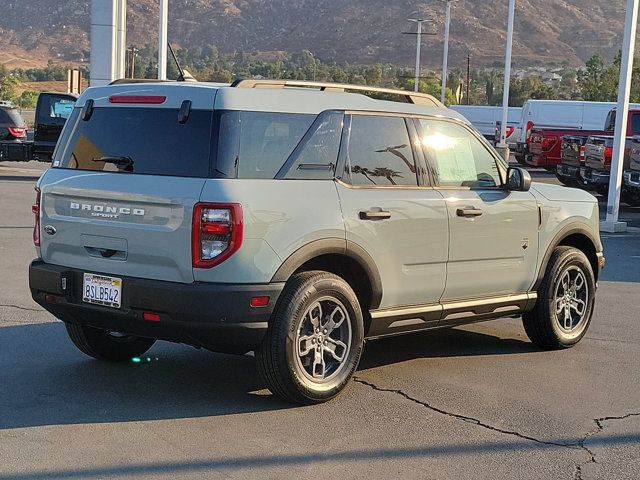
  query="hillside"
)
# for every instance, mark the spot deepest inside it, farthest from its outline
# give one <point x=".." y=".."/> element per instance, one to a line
<point x="357" y="31"/>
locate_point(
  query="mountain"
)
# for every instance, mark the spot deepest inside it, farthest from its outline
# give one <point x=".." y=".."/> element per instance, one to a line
<point x="357" y="31"/>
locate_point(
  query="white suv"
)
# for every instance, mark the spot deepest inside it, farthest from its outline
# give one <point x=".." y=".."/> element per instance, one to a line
<point x="297" y="219"/>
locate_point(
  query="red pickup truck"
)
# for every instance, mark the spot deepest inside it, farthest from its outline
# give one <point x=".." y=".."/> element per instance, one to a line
<point x="545" y="147"/>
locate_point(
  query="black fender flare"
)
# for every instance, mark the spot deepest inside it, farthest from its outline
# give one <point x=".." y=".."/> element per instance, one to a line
<point x="337" y="246"/>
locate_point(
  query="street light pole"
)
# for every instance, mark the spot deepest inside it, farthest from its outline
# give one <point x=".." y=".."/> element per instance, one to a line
<point x="445" y="57"/>
<point x="162" y="39"/>
<point x="611" y="224"/>
<point x="502" y="146"/>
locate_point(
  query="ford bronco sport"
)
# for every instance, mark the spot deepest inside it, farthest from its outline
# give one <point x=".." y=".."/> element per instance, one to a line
<point x="296" y="221"/>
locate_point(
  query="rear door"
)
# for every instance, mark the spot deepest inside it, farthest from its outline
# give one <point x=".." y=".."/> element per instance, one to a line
<point x="390" y="213"/>
<point x="120" y="197"/>
<point x="493" y="242"/>
<point x="52" y="112"/>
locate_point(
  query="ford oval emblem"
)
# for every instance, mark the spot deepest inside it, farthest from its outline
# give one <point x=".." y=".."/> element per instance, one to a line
<point x="50" y="230"/>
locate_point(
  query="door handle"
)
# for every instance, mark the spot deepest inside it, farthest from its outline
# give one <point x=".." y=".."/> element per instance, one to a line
<point x="469" y="212"/>
<point x="374" y="215"/>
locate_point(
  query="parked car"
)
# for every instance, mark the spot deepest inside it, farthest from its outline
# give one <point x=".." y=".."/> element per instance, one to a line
<point x="545" y="146"/>
<point x="327" y="219"/>
<point x="13" y="128"/>
<point x="632" y="174"/>
<point x="485" y="118"/>
<point x="572" y="160"/>
<point x="52" y="111"/>
<point x="558" y="114"/>
<point x="599" y="153"/>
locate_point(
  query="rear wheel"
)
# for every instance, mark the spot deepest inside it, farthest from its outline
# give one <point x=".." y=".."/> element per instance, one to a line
<point x="314" y="341"/>
<point x="105" y="345"/>
<point x="631" y="198"/>
<point x="565" y="302"/>
<point x="564" y="180"/>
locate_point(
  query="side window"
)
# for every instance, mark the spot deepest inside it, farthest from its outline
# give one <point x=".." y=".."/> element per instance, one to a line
<point x="319" y="153"/>
<point x="380" y="152"/>
<point x="267" y="140"/>
<point x="458" y="158"/>
<point x="635" y="123"/>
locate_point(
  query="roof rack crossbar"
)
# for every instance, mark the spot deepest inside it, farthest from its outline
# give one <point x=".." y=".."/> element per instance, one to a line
<point x="409" y="97"/>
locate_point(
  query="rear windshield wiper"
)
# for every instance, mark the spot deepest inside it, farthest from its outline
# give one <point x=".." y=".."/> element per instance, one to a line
<point x="123" y="163"/>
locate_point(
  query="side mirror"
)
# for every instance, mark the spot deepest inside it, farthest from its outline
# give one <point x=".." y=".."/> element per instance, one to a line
<point x="518" y="179"/>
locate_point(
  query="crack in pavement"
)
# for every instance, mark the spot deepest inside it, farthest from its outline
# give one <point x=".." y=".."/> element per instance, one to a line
<point x="9" y="305"/>
<point x="474" y="421"/>
<point x="466" y="418"/>
<point x="599" y="428"/>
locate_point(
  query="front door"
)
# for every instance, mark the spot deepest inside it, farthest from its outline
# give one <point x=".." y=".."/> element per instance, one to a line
<point x="390" y="213"/>
<point x="493" y="241"/>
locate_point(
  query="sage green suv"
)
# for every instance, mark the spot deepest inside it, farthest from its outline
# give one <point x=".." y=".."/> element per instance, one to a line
<point x="297" y="220"/>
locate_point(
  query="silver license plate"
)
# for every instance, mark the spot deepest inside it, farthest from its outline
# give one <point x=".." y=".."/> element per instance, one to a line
<point x="102" y="290"/>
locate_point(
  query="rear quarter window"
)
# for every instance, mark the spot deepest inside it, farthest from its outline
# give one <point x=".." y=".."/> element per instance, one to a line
<point x="267" y="140"/>
<point x="153" y="139"/>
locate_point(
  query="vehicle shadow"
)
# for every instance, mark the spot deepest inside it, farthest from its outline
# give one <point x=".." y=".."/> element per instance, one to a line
<point x="46" y="381"/>
<point x="446" y="342"/>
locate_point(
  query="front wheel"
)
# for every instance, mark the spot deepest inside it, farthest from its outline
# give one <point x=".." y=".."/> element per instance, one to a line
<point x="314" y="341"/>
<point x="566" y="298"/>
<point x="105" y="345"/>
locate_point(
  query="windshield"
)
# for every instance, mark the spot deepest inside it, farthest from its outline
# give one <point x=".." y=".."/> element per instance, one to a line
<point x="152" y="140"/>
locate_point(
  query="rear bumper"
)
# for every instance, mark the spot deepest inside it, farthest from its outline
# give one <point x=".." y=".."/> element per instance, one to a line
<point x="594" y="176"/>
<point x="210" y="315"/>
<point x="569" y="171"/>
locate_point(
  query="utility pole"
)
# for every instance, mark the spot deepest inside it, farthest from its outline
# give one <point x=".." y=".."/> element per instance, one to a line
<point x="419" y="21"/>
<point x="468" y="77"/>
<point x="419" y="41"/>
<point x="502" y="146"/>
<point x="445" y="56"/>
<point x="611" y="224"/>
<point x="162" y="39"/>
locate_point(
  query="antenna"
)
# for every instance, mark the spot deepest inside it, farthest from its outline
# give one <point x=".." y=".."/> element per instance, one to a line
<point x="175" y="59"/>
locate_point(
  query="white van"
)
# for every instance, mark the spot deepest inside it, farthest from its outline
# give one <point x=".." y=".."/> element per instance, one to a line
<point x="484" y="118"/>
<point x="572" y="114"/>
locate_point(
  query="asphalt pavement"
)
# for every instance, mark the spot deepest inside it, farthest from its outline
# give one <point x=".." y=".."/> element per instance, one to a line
<point x="477" y="402"/>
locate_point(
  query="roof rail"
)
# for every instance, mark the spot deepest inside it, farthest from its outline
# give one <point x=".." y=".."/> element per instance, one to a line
<point x="121" y="81"/>
<point x="409" y="97"/>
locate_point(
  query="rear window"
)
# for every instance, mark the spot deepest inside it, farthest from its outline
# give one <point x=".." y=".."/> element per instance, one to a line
<point x="139" y="140"/>
<point x="610" y="122"/>
<point x="11" y="116"/>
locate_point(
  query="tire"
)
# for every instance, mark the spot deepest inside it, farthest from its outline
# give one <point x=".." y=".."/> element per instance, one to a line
<point x="601" y="189"/>
<point x="288" y="372"/>
<point x="545" y="326"/>
<point x="564" y="180"/>
<point x="631" y="198"/>
<point x="521" y="159"/>
<point x="103" y="345"/>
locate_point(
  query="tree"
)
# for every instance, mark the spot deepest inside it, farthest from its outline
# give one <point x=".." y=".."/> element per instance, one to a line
<point x="8" y="86"/>
<point x="598" y="82"/>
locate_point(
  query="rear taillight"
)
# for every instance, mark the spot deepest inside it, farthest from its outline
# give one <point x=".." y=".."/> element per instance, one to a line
<point x="582" y="150"/>
<point x="530" y="126"/>
<point x="216" y="233"/>
<point x="35" y="208"/>
<point x="608" y="155"/>
<point x="19" y="132"/>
